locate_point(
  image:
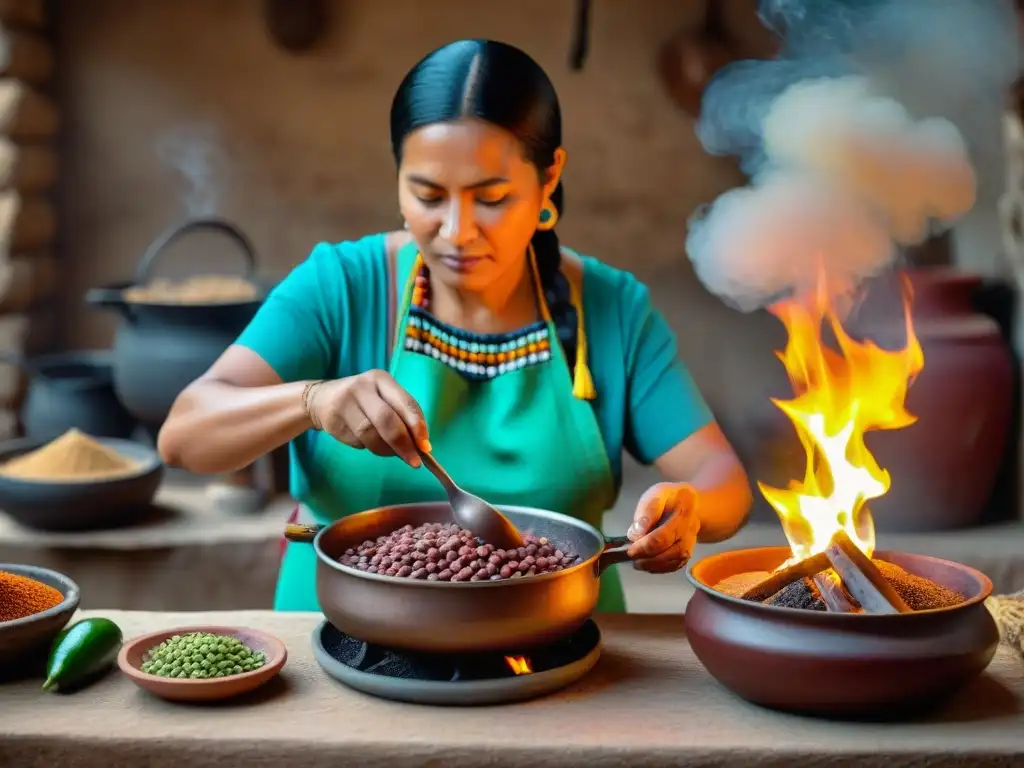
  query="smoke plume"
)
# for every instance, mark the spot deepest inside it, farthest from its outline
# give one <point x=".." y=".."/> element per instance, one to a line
<point x="858" y="139"/>
<point x="193" y="151"/>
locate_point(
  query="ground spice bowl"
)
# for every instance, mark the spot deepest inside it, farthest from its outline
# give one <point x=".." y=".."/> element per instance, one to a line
<point x="25" y="642"/>
<point x="839" y="664"/>
<point x="81" y="505"/>
<point x="134" y="651"/>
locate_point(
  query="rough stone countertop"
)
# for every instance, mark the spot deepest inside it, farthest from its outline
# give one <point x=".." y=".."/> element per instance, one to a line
<point x="647" y="703"/>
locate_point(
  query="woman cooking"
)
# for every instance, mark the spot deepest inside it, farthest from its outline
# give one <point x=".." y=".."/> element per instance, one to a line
<point x="526" y="368"/>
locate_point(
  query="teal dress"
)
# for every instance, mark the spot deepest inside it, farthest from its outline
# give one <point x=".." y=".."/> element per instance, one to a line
<point x="510" y="418"/>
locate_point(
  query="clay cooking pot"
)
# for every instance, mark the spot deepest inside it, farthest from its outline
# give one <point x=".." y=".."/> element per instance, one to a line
<point x="944" y="466"/>
<point x="839" y="663"/>
<point x="446" y="617"/>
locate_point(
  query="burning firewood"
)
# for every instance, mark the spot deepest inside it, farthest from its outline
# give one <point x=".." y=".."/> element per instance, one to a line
<point x="862" y="579"/>
<point x="842" y="579"/>
<point x="737" y="584"/>
<point x="783" y="578"/>
<point x="802" y="594"/>
<point x="834" y="594"/>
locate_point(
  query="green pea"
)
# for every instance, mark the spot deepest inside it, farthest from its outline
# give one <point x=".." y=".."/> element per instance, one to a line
<point x="200" y="655"/>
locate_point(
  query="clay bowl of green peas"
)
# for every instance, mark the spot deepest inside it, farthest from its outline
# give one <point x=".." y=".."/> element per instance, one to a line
<point x="202" y="663"/>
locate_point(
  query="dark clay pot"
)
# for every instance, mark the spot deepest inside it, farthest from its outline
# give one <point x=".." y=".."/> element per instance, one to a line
<point x="943" y="467"/>
<point x="72" y="390"/>
<point x="836" y="663"/>
<point x="159" y="349"/>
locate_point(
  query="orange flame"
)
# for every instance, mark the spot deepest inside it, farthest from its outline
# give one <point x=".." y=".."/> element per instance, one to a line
<point x="839" y="396"/>
<point x="519" y="664"/>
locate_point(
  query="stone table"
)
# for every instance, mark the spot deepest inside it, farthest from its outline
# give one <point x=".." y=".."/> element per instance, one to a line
<point x="188" y="556"/>
<point x="648" y="703"/>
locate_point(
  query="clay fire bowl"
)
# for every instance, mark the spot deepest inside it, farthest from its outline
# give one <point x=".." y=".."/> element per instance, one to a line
<point x="173" y="689"/>
<point x="24" y="642"/>
<point x="839" y="664"/>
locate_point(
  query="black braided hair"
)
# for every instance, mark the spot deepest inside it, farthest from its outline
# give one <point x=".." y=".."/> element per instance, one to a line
<point x="502" y="85"/>
<point x="555" y="285"/>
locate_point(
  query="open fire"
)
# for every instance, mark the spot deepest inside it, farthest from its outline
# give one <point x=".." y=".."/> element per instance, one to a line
<point x="520" y="665"/>
<point x="840" y="394"/>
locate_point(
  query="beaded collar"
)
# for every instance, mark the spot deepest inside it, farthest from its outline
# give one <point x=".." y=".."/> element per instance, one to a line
<point x="477" y="356"/>
<point x="485" y="356"/>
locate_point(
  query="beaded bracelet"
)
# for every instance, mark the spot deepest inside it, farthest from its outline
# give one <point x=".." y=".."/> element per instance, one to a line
<point x="307" y="400"/>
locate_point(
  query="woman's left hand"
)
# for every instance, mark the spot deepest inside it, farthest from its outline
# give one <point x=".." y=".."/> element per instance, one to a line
<point x="669" y="547"/>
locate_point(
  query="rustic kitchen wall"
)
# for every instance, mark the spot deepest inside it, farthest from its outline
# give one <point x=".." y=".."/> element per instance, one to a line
<point x="173" y="107"/>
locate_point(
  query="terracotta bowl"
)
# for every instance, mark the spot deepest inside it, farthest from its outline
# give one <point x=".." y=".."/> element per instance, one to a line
<point x="833" y="663"/>
<point x="134" y="651"/>
<point x="25" y="642"/>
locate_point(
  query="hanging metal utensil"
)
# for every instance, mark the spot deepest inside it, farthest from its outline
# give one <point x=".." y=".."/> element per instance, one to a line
<point x="689" y="59"/>
<point x="580" y="36"/>
<point x="297" y="25"/>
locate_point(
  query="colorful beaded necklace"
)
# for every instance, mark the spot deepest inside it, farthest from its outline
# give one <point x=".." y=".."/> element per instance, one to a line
<point x="481" y="357"/>
<point x="478" y="356"/>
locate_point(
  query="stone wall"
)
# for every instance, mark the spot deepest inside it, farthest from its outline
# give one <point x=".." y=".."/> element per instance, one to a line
<point x="29" y="121"/>
<point x="185" y="106"/>
<point x="177" y="107"/>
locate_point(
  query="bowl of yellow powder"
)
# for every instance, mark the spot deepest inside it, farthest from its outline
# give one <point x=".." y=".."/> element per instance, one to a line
<point x="77" y="482"/>
<point x="35" y="604"/>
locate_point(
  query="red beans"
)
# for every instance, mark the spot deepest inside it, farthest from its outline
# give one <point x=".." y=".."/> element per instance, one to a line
<point x="447" y="552"/>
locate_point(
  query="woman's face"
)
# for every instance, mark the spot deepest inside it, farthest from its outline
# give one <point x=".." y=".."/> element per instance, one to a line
<point x="471" y="200"/>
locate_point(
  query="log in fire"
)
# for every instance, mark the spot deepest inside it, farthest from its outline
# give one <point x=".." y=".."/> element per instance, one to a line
<point x="842" y="579"/>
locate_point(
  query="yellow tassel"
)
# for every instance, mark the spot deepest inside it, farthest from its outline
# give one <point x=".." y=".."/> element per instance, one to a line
<point x="582" y="381"/>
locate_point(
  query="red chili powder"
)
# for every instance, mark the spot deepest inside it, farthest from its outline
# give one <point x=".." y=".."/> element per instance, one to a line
<point x="21" y="596"/>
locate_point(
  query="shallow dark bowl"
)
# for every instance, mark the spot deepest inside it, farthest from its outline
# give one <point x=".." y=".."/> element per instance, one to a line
<point x="80" y="505"/>
<point x="839" y="664"/>
<point x="25" y="642"/>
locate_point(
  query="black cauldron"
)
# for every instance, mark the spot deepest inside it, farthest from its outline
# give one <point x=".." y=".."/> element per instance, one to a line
<point x="160" y="348"/>
<point x="72" y="390"/>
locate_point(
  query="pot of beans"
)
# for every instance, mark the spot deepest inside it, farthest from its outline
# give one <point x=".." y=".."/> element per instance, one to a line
<point x="408" y="577"/>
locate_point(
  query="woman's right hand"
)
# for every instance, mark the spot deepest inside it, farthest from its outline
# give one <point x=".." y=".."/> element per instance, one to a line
<point x="371" y="411"/>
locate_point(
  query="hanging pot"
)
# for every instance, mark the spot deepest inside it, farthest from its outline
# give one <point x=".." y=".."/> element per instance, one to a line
<point x="161" y="346"/>
<point x="71" y="390"/>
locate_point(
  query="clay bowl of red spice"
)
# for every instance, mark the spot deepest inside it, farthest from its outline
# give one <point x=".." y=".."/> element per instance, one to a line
<point x="840" y="664"/>
<point x="35" y="605"/>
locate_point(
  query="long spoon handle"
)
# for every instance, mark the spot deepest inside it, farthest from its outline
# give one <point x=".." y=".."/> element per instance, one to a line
<point x="438" y="471"/>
